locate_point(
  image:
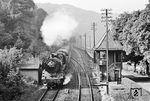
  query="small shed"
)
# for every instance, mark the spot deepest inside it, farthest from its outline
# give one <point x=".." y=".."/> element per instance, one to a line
<point x="115" y="51"/>
<point x="31" y="70"/>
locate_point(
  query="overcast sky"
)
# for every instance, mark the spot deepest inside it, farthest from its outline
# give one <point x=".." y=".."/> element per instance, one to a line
<point x="118" y="6"/>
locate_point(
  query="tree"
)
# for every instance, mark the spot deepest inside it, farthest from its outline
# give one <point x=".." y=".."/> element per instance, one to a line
<point x="12" y="12"/>
<point x="20" y="23"/>
<point x="132" y="57"/>
<point x="132" y="30"/>
<point x="11" y="83"/>
<point x="19" y="43"/>
<point x="37" y="47"/>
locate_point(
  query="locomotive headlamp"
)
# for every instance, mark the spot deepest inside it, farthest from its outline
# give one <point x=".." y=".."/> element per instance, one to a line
<point x="51" y="64"/>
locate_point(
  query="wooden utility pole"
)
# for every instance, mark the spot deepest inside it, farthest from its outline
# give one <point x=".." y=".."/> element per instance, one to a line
<point x="106" y="17"/>
<point x="94" y="29"/>
<point x="81" y="41"/>
<point x="77" y="41"/>
<point x="90" y="42"/>
<point x="85" y="41"/>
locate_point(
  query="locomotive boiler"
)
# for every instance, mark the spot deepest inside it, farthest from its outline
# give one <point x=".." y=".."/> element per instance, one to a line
<point x="53" y="68"/>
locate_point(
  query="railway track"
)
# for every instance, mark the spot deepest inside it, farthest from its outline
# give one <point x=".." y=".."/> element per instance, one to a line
<point x="88" y="78"/>
<point x="83" y="84"/>
<point x="49" y="95"/>
<point x="84" y="81"/>
<point x="79" y="82"/>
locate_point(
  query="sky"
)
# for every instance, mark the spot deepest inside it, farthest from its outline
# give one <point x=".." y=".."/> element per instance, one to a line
<point x="117" y="6"/>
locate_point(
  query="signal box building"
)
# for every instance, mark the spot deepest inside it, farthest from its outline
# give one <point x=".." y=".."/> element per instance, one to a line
<point x="115" y="51"/>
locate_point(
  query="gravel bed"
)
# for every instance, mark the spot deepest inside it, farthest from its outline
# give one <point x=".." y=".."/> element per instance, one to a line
<point x="88" y="64"/>
<point x="67" y="95"/>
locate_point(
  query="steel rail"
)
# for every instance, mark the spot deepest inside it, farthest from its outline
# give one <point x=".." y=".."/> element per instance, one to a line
<point x="79" y="79"/>
<point x="54" y="98"/>
<point x="88" y="78"/>
<point x="43" y="95"/>
<point x="92" y="95"/>
<point x="91" y="90"/>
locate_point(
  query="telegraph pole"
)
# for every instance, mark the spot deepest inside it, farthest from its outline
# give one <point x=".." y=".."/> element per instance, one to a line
<point x="81" y="41"/>
<point x="94" y="29"/>
<point x="85" y="41"/>
<point x="77" y="41"/>
<point x="106" y="17"/>
<point x="90" y="42"/>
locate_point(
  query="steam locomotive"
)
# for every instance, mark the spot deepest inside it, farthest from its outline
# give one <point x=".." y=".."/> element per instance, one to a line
<point x="53" y="68"/>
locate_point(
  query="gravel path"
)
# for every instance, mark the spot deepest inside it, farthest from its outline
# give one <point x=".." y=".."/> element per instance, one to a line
<point x="145" y="85"/>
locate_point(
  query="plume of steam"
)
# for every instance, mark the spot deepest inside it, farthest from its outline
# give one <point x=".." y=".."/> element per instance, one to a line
<point x="68" y="78"/>
<point x="60" y="24"/>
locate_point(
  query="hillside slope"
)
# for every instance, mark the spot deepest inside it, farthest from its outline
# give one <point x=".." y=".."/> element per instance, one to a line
<point x="83" y="17"/>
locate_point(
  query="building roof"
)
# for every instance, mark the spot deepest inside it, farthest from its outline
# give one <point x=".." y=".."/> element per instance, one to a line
<point x="112" y="44"/>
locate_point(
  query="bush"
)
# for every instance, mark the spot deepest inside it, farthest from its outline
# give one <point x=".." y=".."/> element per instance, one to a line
<point x="11" y="83"/>
<point x="11" y="57"/>
<point x="44" y="55"/>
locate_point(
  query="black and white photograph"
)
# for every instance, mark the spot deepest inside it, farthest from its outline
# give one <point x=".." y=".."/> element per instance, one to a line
<point x="74" y="50"/>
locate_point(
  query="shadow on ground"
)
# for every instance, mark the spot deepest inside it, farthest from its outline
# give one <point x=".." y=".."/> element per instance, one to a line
<point x="138" y="79"/>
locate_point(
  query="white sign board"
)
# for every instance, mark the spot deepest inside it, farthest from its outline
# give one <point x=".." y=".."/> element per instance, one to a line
<point x="136" y="92"/>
